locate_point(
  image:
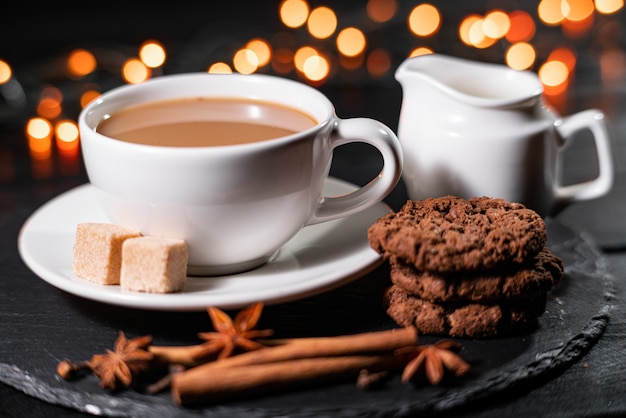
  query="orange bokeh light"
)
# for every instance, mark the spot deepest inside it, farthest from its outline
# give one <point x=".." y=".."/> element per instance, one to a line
<point x="553" y="74"/>
<point x="134" y="71"/>
<point x="608" y="6"/>
<point x="262" y="49"/>
<point x="575" y="29"/>
<point x="152" y="54"/>
<point x="219" y="68"/>
<point x="378" y="62"/>
<point x="522" y="27"/>
<point x="39" y="134"/>
<point x="245" y="61"/>
<point x="322" y="22"/>
<point x="477" y="36"/>
<point x="351" y="42"/>
<point x="5" y="72"/>
<point x="496" y="24"/>
<point x="66" y="133"/>
<point x="465" y="27"/>
<point x="50" y="103"/>
<point x="301" y="55"/>
<point x="564" y="55"/>
<point x="550" y="12"/>
<point x="80" y="63"/>
<point x="520" y="56"/>
<point x="421" y="50"/>
<point x="293" y="13"/>
<point x="88" y="96"/>
<point x="49" y="108"/>
<point x="577" y="10"/>
<point x="316" y="68"/>
<point x="283" y="60"/>
<point x="424" y="20"/>
<point x="381" y="10"/>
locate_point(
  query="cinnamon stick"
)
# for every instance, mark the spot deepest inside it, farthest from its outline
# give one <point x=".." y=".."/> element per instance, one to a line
<point x="296" y="348"/>
<point x="184" y="355"/>
<point x="228" y="383"/>
<point x="297" y="361"/>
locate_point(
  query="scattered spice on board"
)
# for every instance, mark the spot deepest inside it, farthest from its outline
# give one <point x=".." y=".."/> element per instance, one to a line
<point x="235" y="362"/>
<point x="117" y="368"/>
<point x="433" y="360"/>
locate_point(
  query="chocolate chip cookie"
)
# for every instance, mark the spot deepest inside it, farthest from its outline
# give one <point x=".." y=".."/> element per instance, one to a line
<point x="469" y="320"/>
<point x="534" y="278"/>
<point x="449" y="234"/>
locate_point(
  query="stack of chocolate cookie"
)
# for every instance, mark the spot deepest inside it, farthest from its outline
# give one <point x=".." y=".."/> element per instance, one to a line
<point x="466" y="268"/>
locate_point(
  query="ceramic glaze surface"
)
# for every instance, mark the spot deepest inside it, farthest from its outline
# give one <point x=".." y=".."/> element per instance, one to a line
<point x="477" y="129"/>
<point x="234" y="205"/>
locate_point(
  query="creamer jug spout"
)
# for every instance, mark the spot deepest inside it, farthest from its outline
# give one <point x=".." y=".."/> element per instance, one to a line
<point x="469" y="82"/>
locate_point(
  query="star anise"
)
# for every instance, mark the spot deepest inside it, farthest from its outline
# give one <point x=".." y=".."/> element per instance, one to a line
<point x="230" y="334"/>
<point x="433" y="360"/>
<point x="117" y="367"/>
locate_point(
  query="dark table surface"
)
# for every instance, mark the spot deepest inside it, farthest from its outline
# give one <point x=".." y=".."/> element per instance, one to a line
<point x="574" y="364"/>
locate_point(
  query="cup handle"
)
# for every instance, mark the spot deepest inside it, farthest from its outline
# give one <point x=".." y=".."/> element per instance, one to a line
<point x="371" y="132"/>
<point x="593" y="120"/>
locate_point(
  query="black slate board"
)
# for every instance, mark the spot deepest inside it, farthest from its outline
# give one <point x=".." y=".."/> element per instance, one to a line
<point x="59" y="325"/>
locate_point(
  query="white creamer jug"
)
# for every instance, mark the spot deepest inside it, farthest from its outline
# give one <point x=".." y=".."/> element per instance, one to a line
<point x="476" y="129"/>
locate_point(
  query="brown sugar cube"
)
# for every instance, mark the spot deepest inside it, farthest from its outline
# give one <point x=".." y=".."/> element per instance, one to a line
<point x="154" y="265"/>
<point x="98" y="251"/>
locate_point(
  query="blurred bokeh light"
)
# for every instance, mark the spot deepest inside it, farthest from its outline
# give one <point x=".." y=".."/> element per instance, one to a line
<point x="351" y="42"/>
<point x="424" y="20"/>
<point x="322" y="22"/>
<point x="294" y="13"/>
<point x="152" y="54"/>
<point x="80" y="63"/>
<point x="135" y="71"/>
<point x="381" y="10"/>
<point x="5" y="72"/>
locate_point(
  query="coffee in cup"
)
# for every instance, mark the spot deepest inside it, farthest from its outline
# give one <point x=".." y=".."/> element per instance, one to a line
<point x="202" y="122"/>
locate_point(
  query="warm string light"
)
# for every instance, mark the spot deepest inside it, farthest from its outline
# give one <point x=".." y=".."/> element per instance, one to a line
<point x="294" y="13"/>
<point x="39" y="134"/>
<point x="80" y="63"/>
<point x="50" y="134"/>
<point x="134" y="71"/>
<point x="322" y="22"/>
<point x="608" y="6"/>
<point x="220" y="68"/>
<point x="520" y="56"/>
<point x="152" y="54"/>
<point x="381" y="11"/>
<point x="424" y="20"/>
<point x="5" y="72"/>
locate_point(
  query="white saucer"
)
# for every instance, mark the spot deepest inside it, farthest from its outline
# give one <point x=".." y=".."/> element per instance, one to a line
<point x="319" y="258"/>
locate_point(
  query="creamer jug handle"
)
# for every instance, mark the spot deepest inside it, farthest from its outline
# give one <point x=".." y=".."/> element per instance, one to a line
<point x="593" y="120"/>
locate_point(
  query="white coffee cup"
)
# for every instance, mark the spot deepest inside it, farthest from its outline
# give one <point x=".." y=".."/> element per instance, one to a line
<point x="234" y="205"/>
<point x="469" y="129"/>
